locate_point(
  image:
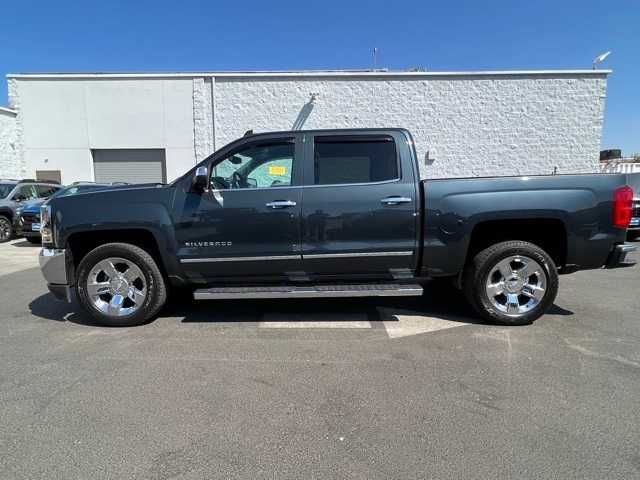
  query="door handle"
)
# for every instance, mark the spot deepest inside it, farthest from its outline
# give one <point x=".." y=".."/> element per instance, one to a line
<point x="395" y="200"/>
<point x="281" y="204"/>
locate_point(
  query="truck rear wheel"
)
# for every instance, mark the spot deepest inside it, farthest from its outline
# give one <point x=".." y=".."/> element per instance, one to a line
<point x="511" y="283"/>
<point x="120" y="285"/>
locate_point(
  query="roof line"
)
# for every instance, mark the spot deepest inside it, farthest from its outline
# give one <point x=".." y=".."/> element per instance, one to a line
<point x="312" y="73"/>
<point x="8" y="110"/>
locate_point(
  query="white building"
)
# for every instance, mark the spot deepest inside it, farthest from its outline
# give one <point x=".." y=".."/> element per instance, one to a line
<point x="153" y="127"/>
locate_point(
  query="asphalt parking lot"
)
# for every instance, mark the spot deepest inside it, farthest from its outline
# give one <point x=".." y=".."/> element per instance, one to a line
<point x="369" y="389"/>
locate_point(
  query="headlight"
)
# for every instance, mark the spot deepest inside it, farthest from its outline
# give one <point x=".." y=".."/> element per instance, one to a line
<point x="19" y="211"/>
<point x="45" y="224"/>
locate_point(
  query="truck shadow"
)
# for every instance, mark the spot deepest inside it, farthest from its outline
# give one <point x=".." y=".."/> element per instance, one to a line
<point x="439" y="301"/>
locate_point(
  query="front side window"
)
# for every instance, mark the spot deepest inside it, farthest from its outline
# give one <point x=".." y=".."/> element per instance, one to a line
<point x="263" y="165"/>
<point x="25" y="192"/>
<point x="354" y="159"/>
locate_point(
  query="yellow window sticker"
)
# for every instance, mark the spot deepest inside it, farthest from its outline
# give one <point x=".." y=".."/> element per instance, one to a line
<point x="277" y="170"/>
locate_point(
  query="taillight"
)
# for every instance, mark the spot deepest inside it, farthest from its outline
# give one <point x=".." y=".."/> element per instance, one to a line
<point x="622" y="203"/>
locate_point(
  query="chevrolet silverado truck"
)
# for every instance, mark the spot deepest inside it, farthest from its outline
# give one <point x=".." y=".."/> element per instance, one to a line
<point x="330" y="213"/>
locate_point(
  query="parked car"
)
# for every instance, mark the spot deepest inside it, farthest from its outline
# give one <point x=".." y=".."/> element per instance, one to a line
<point x="331" y="213"/>
<point x="13" y="195"/>
<point x="28" y="216"/>
<point x="634" y="224"/>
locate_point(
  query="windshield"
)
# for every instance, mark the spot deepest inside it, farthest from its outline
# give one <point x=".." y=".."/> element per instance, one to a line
<point x="5" y="189"/>
<point x="65" y="192"/>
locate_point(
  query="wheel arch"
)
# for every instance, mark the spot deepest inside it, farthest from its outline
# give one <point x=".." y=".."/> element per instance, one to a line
<point x="7" y="212"/>
<point x="550" y="234"/>
<point x="79" y="244"/>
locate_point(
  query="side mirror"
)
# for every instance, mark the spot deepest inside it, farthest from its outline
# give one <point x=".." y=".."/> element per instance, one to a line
<point x="200" y="179"/>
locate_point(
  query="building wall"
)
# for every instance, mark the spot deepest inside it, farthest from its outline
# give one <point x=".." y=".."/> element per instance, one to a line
<point x="63" y="120"/>
<point x="468" y="125"/>
<point x="463" y="124"/>
<point x="9" y="166"/>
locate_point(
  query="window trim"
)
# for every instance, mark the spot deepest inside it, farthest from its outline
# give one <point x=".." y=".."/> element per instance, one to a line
<point x="295" y="170"/>
<point x="354" y="138"/>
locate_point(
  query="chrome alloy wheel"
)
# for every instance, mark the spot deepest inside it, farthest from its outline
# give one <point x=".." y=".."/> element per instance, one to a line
<point x="516" y="285"/>
<point x="116" y="287"/>
<point x="5" y="229"/>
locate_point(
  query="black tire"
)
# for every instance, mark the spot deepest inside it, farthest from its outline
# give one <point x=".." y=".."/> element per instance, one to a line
<point x="34" y="240"/>
<point x="156" y="290"/>
<point x="633" y="235"/>
<point x="6" y="229"/>
<point x="478" y="270"/>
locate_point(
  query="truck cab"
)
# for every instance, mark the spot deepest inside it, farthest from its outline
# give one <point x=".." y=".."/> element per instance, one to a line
<point x="315" y="205"/>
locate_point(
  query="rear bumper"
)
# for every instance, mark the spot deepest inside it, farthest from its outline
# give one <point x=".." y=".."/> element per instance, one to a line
<point x="53" y="264"/>
<point x="618" y="255"/>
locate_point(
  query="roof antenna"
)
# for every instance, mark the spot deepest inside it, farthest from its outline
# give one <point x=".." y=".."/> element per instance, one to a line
<point x="248" y="132"/>
<point x="375" y="58"/>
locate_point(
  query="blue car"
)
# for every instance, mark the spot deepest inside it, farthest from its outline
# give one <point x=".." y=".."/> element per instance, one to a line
<point x="28" y="215"/>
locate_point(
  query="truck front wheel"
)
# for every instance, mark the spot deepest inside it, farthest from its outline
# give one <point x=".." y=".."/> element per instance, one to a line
<point x="511" y="283"/>
<point x="120" y="285"/>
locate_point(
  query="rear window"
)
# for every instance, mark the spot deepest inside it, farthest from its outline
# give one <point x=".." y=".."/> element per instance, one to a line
<point x="354" y="159"/>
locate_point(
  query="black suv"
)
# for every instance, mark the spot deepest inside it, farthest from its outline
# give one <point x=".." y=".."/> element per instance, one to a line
<point x="14" y="194"/>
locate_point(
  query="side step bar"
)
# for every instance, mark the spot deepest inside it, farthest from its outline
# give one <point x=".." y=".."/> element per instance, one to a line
<point x="310" y="291"/>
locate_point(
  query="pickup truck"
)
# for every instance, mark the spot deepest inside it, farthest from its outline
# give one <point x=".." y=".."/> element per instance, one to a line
<point x="330" y="213"/>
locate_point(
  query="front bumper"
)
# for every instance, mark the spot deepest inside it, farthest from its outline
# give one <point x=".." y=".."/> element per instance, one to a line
<point x="25" y="228"/>
<point x="53" y="263"/>
<point x="618" y="255"/>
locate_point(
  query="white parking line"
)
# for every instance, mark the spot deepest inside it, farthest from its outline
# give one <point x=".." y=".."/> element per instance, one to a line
<point x="320" y="324"/>
<point x="397" y="326"/>
<point x="314" y="320"/>
<point x="408" y="325"/>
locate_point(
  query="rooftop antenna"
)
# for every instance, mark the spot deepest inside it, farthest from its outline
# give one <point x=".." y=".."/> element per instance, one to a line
<point x="599" y="59"/>
<point x="375" y="58"/>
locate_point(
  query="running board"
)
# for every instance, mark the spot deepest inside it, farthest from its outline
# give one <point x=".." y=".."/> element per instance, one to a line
<point x="310" y="291"/>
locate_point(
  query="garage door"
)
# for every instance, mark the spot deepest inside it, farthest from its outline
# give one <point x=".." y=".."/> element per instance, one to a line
<point x="131" y="166"/>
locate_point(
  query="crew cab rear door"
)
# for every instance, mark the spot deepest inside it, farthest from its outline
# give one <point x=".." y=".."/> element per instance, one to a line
<point x="246" y="224"/>
<point x="360" y="205"/>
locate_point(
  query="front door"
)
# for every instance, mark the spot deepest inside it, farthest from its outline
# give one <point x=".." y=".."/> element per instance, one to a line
<point x="247" y="222"/>
<point x="359" y="213"/>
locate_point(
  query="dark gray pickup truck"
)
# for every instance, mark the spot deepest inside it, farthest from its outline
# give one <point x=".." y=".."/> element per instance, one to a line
<point x="331" y="213"/>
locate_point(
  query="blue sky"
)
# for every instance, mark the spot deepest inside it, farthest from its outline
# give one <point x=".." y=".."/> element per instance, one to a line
<point x="194" y="35"/>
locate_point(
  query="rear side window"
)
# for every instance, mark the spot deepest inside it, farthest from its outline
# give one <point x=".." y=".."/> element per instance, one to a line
<point x="354" y="159"/>
<point x="45" y="191"/>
